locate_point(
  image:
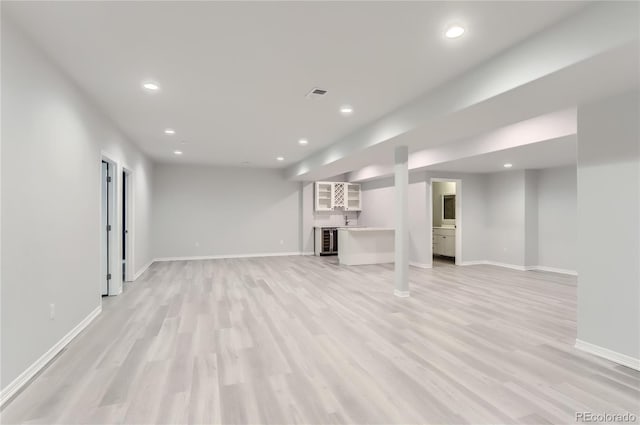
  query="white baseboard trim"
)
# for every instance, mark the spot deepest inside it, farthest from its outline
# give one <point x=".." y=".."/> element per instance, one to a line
<point x="142" y="270"/>
<point x="508" y="266"/>
<point x="420" y="265"/>
<point x="473" y="263"/>
<point x="308" y="253"/>
<point x="10" y="390"/>
<point x="605" y="353"/>
<point x="555" y="270"/>
<point x="401" y="294"/>
<point x="520" y="268"/>
<point x="223" y="256"/>
<point x="494" y="263"/>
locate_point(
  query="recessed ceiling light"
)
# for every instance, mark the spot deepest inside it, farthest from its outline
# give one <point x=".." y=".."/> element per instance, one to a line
<point x="346" y="110"/>
<point x="280" y="158"/>
<point x="151" y="86"/>
<point x="508" y="165"/>
<point x="454" y="31"/>
<point x="177" y="152"/>
<point x="169" y="131"/>
<point x="303" y="142"/>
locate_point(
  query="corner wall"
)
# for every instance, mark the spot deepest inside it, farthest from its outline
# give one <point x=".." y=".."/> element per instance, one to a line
<point x="608" y="226"/>
<point x="52" y="138"/>
<point x="505" y="218"/>
<point x="208" y="211"/>
<point x="557" y="218"/>
<point x="378" y="195"/>
<point x="522" y="219"/>
<point x="531" y="212"/>
<point x="377" y="211"/>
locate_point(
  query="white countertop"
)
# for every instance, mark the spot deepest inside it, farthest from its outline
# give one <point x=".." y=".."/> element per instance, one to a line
<point x="367" y="229"/>
<point x="327" y="226"/>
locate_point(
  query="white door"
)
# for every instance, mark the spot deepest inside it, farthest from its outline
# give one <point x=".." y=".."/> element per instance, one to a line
<point x="125" y="224"/>
<point x="448" y="246"/>
<point x="105" y="274"/>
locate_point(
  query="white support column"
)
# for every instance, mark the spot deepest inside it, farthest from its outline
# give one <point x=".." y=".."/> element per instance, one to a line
<point x="402" y="222"/>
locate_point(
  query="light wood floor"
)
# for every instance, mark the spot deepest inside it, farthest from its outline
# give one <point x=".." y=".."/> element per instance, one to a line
<point x="302" y="340"/>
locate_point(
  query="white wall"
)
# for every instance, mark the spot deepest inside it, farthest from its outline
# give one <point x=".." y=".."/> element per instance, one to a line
<point x="52" y="137"/>
<point x="377" y="205"/>
<point x="419" y="218"/>
<point x="333" y="218"/>
<point x="377" y="211"/>
<point x="378" y="195"/>
<point x="307" y="220"/>
<point x="505" y="218"/>
<point x="220" y="211"/>
<point x="517" y="218"/>
<point x="531" y="218"/>
<point x="557" y="218"/>
<point x="472" y="199"/>
<point x="608" y="224"/>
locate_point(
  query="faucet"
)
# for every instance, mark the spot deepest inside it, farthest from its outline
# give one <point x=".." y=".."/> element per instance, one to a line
<point x="346" y="220"/>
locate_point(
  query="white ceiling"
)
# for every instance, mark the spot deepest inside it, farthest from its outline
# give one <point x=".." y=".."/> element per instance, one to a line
<point x="546" y="154"/>
<point x="234" y="74"/>
<point x="614" y="71"/>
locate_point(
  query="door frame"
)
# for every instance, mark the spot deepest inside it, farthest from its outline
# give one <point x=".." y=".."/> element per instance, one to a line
<point x="129" y="273"/>
<point x="115" y="238"/>
<point x="458" y="183"/>
<point x="106" y="218"/>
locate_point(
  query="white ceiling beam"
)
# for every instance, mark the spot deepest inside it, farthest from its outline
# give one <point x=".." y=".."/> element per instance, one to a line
<point x="593" y="31"/>
<point x="546" y="127"/>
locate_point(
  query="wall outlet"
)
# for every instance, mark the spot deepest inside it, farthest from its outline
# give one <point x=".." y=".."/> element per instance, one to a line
<point x="52" y="311"/>
<point x="197" y="244"/>
<point x="281" y="242"/>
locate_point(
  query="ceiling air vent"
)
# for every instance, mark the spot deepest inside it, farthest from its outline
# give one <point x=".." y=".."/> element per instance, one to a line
<point x="316" y="93"/>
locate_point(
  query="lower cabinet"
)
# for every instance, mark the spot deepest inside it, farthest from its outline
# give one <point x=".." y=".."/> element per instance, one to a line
<point x="444" y="242"/>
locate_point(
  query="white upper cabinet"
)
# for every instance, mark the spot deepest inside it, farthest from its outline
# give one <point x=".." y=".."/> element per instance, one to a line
<point x="324" y="196"/>
<point x="339" y="190"/>
<point x="353" y="200"/>
<point x="338" y="195"/>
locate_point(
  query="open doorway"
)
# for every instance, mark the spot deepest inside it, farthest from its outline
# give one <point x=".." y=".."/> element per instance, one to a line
<point x="127" y="225"/>
<point x="112" y="206"/>
<point x="446" y="234"/>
